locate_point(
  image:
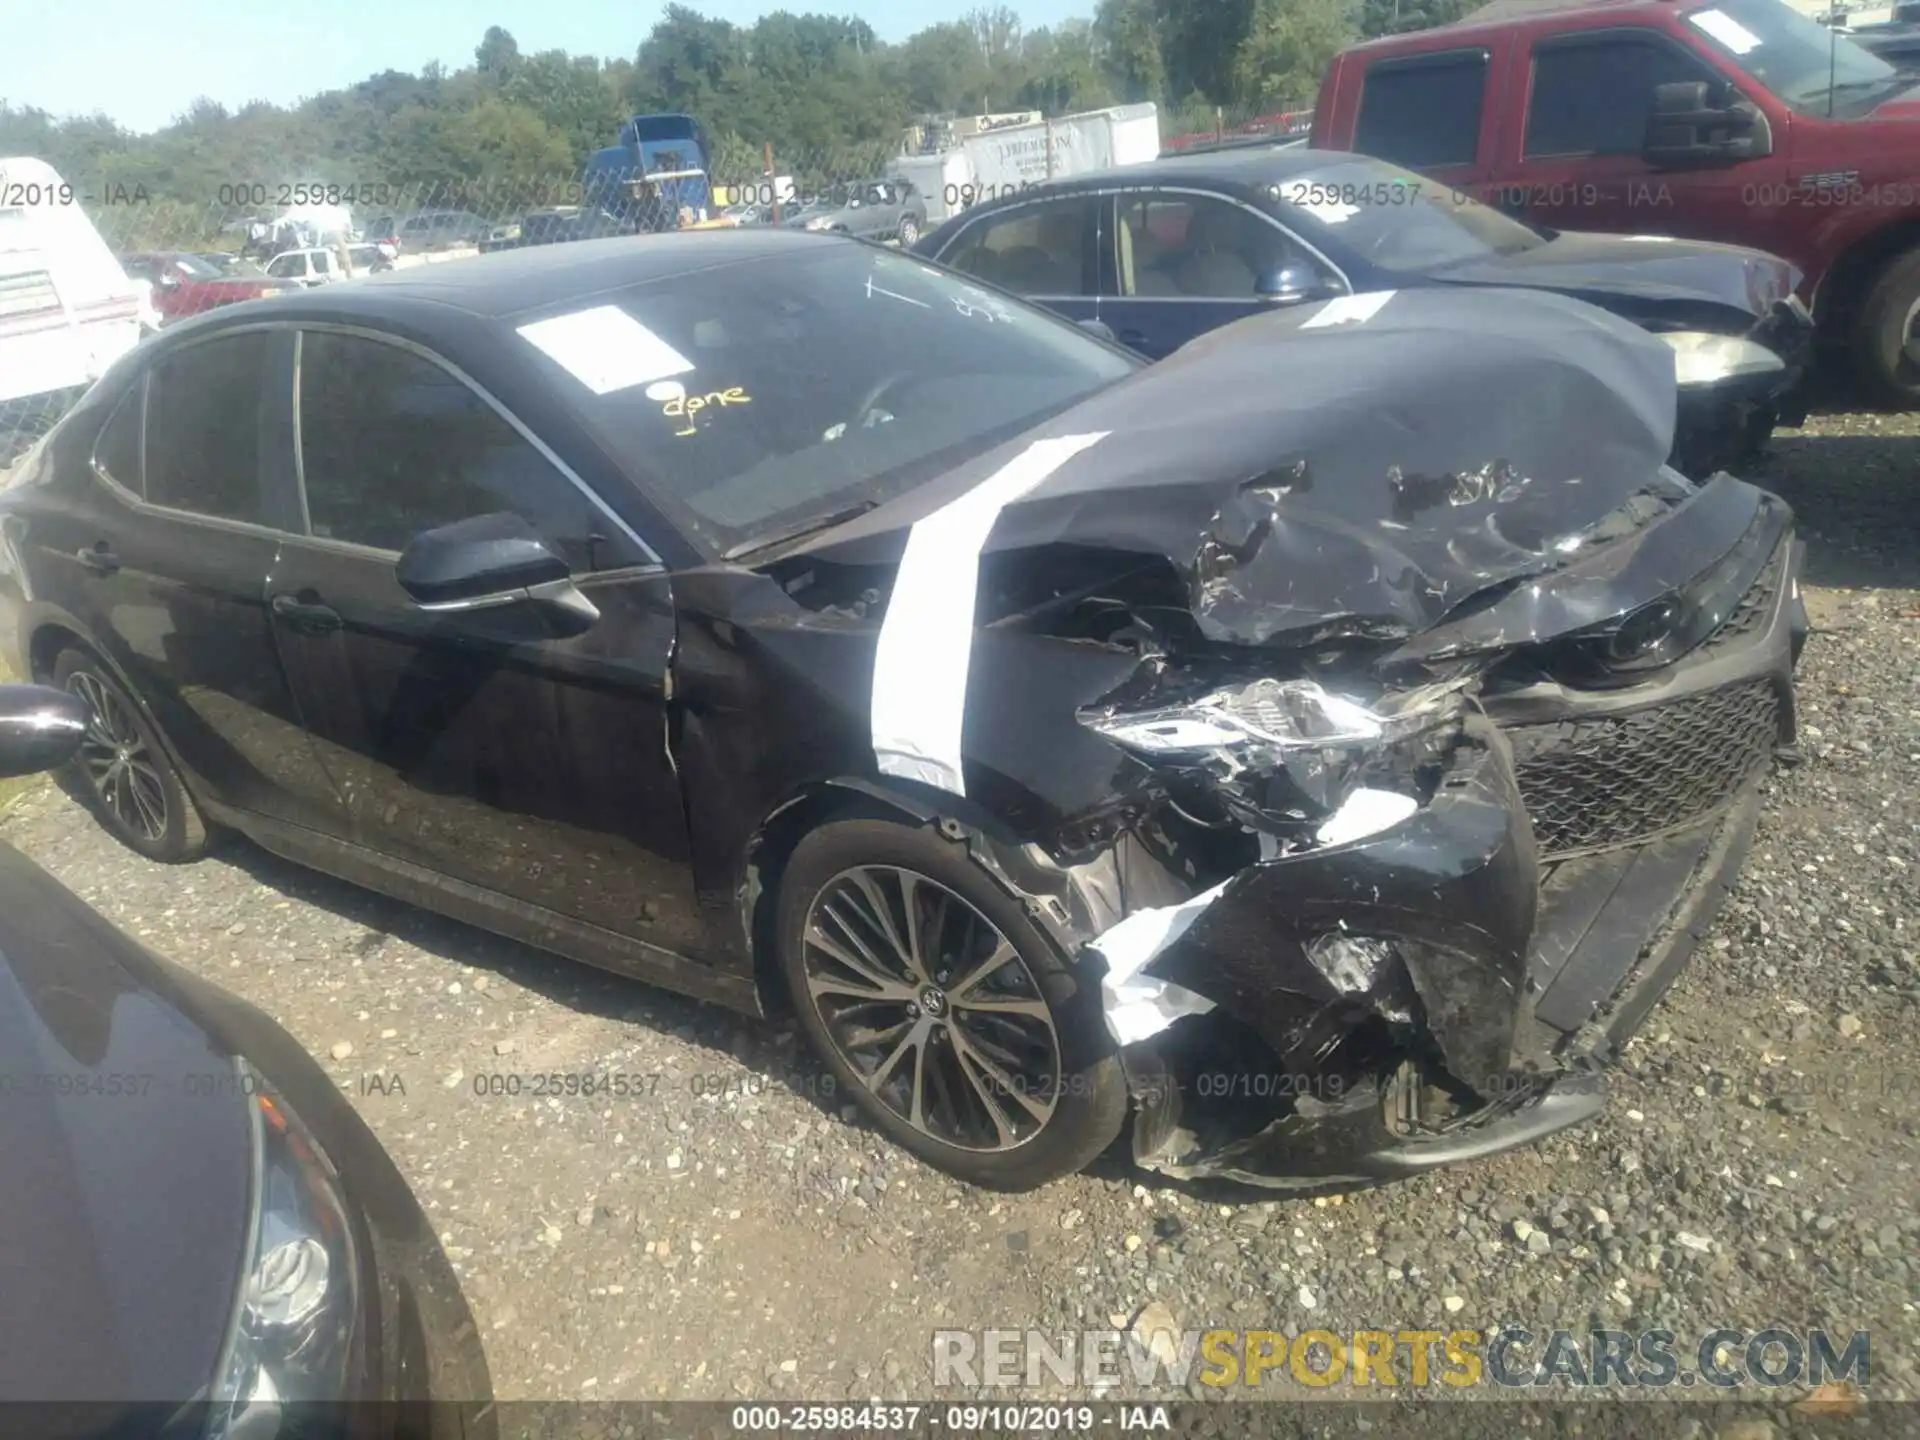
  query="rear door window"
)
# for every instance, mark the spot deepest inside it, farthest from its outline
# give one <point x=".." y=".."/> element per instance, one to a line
<point x="1424" y="112"/>
<point x="204" y="437"/>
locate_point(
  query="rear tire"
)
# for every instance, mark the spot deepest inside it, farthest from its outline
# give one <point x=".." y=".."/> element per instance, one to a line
<point x="1002" y="1074"/>
<point x="909" y="232"/>
<point x="123" y="773"/>
<point x="1886" y="346"/>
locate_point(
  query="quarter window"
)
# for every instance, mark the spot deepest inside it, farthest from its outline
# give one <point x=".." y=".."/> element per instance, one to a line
<point x="117" y="451"/>
<point x="1037" y="249"/>
<point x="203" y="435"/>
<point x="1425" y="112"/>
<point x="392" y="445"/>
<point x="1595" y="97"/>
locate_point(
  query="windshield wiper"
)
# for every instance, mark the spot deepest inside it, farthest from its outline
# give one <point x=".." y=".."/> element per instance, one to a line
<point x="800" y="527"/>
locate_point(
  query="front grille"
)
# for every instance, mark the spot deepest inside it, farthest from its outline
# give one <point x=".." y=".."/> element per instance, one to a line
<point x="1590" y="784"/>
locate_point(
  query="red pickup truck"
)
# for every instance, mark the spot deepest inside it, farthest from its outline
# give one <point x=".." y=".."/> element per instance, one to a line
<point x="1732" y="120"/>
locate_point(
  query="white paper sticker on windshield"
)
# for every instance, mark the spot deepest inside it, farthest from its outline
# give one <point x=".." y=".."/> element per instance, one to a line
<point x="606" y="349"/>
<point x="921" y="660"/>
<point x="1350" y="309"/>
<point x="1327" y="212"/>
<point x="1727" y="30"/>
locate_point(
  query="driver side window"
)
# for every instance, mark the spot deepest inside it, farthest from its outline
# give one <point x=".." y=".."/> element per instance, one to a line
<point x="392" y="445"/>
<point x="1594" y="97"/>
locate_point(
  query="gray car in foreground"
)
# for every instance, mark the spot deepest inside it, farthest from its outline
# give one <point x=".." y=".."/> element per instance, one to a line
<point x="198" y="1236"/>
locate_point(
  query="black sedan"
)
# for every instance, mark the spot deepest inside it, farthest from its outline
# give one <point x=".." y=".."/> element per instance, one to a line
<point x="198" y="1231"/>
<point x="1322" y="745"/>
<point x="1160" y="253"/>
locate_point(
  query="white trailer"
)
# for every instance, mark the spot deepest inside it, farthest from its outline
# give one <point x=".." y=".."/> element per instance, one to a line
<point x="1016" y="157"/>
<point x="67" y="309"/>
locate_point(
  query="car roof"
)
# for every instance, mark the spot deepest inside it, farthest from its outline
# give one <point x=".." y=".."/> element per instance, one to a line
<point x="511" y="282"/>
<point x="1237" y="168"/>
<point x="1497" y="14"/>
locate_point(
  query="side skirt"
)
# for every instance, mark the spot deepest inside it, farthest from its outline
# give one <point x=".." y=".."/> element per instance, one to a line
<point x="486" y="909"/>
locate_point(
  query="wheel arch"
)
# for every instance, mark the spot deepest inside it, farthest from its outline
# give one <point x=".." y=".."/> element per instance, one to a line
<point x="1050" y="892"/>
<point x="1837" y="298"/>
<point x="53" y="635"/>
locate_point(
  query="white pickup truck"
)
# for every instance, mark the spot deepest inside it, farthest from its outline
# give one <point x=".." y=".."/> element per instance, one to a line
<point x="320" y="265"/>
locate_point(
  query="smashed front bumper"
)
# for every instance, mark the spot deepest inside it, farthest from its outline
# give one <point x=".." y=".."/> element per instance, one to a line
<point x="1452" y="986"/>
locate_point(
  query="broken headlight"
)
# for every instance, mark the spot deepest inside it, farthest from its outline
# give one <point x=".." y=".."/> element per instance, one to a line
<point x="1317" y="744"/>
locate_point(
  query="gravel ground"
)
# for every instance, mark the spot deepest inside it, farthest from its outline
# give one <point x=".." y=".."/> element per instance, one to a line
<point x="734" y="1235"/>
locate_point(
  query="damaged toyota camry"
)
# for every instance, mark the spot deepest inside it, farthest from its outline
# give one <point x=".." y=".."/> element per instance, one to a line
<point x="1309" y="757"/>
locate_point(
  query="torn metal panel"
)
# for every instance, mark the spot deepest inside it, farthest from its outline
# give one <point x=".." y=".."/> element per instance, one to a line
<point x="1451" y="891"/>
<point x="1705" y="554"/>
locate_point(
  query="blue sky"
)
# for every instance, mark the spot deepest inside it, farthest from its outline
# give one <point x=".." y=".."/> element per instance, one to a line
<point x="144" y="61"/>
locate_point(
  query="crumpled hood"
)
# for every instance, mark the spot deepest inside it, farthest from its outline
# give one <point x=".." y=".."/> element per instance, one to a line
<point x="1640" y="276"/>
<point x="1309" y="473"/>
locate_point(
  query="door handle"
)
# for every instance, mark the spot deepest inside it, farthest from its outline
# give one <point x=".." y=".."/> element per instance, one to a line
<point x="307" y="615"/>
<point x="99" y="559"/>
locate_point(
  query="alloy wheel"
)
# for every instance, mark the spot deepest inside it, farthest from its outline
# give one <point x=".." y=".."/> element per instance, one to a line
<point x="933" y="1008"/>
<point x="117" y="762"/>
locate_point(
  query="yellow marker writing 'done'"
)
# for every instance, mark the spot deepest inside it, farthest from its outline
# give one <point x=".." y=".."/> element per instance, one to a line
<point x="687" y="407"/>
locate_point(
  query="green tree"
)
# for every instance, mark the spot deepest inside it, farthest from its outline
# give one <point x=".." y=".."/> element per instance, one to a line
<point x="1127" y="41"/>
<point x="498" y="53"/>
<point x="1287" y="48"/>
<point x="1397" y="17"/>
<point x="942" y="71"/>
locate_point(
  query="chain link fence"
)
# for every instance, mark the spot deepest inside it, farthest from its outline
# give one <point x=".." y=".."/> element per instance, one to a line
<point x="95" y="266"/>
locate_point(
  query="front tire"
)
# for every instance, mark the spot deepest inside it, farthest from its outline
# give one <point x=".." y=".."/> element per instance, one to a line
<point x="123" y="773"/>
<point x="956" y="1025"/>
<point x="909" y="233"/>
<point x="1887" y="342"/>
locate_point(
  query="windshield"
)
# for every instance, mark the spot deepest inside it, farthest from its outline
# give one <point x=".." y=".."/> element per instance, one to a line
<point x="766" y="393"/>
<point x="194" y="268"/>
<point x="1808" y="66"/>
<point x="1396" y="219"/>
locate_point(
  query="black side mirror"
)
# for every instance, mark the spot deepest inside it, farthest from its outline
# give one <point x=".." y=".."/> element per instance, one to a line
<point x="493" y="562"/>
<point x="40" y="728"/>
<point x="1691" y="127"/>
<point x="1294" y="285"/>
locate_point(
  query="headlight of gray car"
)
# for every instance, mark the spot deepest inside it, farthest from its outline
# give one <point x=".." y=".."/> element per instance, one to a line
<point x="818" y="222"/>
<point x="1703" y="359"/>
<point x="295" y="1325"/>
